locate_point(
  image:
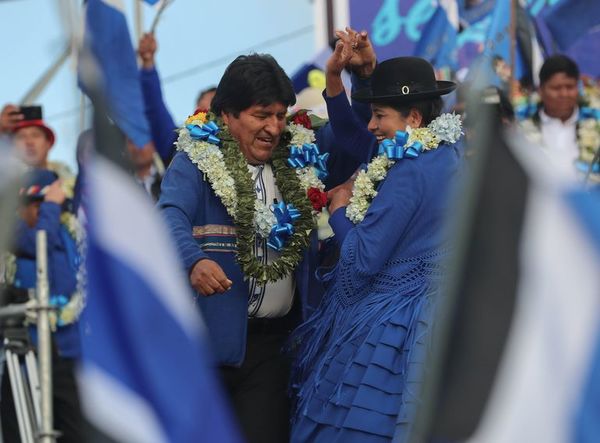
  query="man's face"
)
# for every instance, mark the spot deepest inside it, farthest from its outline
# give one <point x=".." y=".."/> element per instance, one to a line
<point x="559" y="95"/>
<point x="258" y="130"/>
<point x="33" y="146"/>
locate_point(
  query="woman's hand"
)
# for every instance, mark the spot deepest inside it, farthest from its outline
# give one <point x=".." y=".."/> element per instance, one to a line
<point x="362" y="59"/>
<point x="340" y="195"/>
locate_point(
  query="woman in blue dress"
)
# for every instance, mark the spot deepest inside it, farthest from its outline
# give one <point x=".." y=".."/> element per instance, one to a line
<point x="360" y="357"/>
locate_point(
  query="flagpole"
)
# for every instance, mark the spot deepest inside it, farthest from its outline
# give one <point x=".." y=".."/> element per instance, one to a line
<point x="513" y="46"/>
<point x="139" y="18"/>
<point x="46" y="77"/>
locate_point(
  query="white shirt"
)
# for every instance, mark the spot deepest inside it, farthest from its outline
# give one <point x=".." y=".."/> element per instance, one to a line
<point x="273" y="299"/>
<point x="560" y="140"/>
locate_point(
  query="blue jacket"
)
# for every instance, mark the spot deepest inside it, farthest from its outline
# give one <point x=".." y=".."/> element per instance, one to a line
<point x="201" y="228"/>
<point x="62" y="267"/>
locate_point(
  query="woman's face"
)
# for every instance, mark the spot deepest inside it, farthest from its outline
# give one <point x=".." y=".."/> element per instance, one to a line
<point x="385" y="121"/>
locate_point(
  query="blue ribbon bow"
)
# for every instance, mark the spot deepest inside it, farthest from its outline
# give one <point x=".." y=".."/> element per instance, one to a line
<point x="395" y="148"/>
<point x="59" y="302"/>
<point x="283" y="229"/>
<point x="589" y="113"/>
<point x="526" y="110"/>
<point x="308" y="154"/>
<point x="207" y="132"/>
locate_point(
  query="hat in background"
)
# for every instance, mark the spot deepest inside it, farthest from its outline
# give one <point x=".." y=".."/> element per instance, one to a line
<point x="32" y="116"/>
<point x="35" y="184"/>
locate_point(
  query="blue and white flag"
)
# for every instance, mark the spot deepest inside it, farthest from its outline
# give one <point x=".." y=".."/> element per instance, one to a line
<point x="145" y="374"/>
<point x="570" y="20"/>
<point x="107" y="36"/>
<point x="524" y="325"/>
<point x="438" y="37"/>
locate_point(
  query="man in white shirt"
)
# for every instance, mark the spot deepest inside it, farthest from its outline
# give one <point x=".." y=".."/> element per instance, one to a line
<point x="554" y="126"/>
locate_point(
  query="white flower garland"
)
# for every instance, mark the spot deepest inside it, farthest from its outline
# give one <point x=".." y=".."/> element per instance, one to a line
<point x="588" y="138"/>
<point x="209" y="160"/>
<point x="446" y="128"/>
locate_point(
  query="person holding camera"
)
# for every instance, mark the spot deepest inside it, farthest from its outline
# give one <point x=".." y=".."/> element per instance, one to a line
<point x="41" y="207"/>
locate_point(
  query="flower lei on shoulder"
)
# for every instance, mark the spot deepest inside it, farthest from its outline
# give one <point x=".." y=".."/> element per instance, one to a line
<point x="588" y="134"/>
<point x="447" y="128"/>
<point x="299" y="169"/>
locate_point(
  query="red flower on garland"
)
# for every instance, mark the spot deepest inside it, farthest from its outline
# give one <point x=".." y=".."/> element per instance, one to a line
<point x="317" y="198"/>
<point x="302" y="118"/>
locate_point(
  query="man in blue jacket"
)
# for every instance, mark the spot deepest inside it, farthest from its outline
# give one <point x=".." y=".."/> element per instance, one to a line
<point x="248" y="315"/>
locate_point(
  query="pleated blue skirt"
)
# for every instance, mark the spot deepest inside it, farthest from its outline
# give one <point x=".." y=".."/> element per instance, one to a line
<point x="360" y="363"/>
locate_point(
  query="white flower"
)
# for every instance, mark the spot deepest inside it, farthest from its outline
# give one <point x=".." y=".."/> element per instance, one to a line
<point x="362" y="195"/>
<point x="378" y="168"/>
<point x="447" y="127"/>
<point x="309" y="179"/>
<point x="209" y="159"/>
<point x="300" y="135"/>
<point x="264" y="219"/>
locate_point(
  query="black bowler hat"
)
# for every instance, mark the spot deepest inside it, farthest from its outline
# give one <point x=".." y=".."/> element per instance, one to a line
<point x="403" y="79"/>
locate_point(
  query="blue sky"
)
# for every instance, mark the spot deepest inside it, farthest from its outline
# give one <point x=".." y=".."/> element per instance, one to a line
<point x="195" y="45"/>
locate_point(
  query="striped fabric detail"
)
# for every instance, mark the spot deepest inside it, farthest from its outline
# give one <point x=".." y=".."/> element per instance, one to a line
<point x="216" y="238"/>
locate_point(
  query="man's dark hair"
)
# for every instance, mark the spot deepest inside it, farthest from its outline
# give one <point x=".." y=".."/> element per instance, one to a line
<point x="429" y="109"/>
<point x="202" y="93"/>
<point x="255" y="79"/>
<point x="557" y="64"/>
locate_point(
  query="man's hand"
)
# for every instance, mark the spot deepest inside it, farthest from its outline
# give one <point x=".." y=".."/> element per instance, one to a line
<point x="208" y="278"/>
<point x="363" y="59"/>
<point x="55" y="193"/>
<point x="147" y="49"/>
<point x="9" y="117"/>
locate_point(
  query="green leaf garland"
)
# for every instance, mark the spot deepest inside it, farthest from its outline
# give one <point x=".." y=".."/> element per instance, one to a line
<point x="289" y="184"/>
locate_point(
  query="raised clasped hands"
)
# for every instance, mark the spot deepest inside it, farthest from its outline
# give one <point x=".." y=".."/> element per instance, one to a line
<point x="354" y="51"/>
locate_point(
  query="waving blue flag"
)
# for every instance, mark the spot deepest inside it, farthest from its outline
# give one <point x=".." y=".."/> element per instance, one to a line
<point x="569" y="20"/>
<point x="107" y="36"/>
<point x="145" y="375"/>
<point x="438" y="37"/>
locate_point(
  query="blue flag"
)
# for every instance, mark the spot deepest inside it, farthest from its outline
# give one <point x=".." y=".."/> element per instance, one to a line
<point x="569" y="20"/>
<point x="145" y="374"/>
<point x="438" y="37"/>
<point x="494" y="65"/>
<point x="108" y="38"/>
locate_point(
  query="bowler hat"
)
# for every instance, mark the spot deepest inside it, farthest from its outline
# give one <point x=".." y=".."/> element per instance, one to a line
<point x="32" y="116"/>
<point x="403" y="79"/>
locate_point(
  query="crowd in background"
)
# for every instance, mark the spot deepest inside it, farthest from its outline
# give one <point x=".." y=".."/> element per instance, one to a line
<point x="361" y="343"/>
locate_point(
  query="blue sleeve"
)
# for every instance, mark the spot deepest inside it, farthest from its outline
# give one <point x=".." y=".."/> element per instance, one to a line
<point x="49" y="221"/>
<point x="161" y="123"/>
<point x="180" y="193"/>
<point x="340" y="224"/>
<point x="371" y="243"/>
<point x="361" y="109"/>
<point x="346" y="138"/>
